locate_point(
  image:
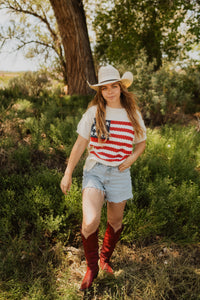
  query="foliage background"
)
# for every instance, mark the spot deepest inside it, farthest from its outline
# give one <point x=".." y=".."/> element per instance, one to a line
<point x="39" y="225"/>
<point x="41" y="255"/>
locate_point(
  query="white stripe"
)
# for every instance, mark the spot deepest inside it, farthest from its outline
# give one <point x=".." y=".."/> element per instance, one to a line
<point x="120" y="151"/>
<point x="110" y="158"/>
<point x="111" y="152"/>
<point x="112" y="146"/>
<point x="121" y="133"/>
<point x="129" y="127"/>
<point x="117" y="129"/>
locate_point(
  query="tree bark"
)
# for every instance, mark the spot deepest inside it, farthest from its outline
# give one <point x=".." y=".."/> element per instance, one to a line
<point x="71" y="22"/>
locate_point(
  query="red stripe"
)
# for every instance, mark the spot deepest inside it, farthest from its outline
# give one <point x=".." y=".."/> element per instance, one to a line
<point x="128" y="145"/>
<point x="110" y="157"/>
<point x="122" y="123"/>
<point x="129" y="138"/>
<point x="122" y="129"/>
<point x="113" y="149"/>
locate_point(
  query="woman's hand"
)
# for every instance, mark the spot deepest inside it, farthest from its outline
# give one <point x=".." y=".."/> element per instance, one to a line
<point x="66" y="183"/>
<point x="126" y="164"/>
<point x="139" y="149"/>
<point x="77" y="151"/>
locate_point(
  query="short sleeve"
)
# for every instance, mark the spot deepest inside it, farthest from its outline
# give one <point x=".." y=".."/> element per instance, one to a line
<point x="85" y="124"/>
<point x="143" y="136"/>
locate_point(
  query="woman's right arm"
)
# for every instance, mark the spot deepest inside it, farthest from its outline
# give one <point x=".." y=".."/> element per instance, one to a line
<point x="76" y="153"/>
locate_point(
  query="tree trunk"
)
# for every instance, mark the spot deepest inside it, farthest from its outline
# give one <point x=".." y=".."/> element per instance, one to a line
<point x="71" y="22"/>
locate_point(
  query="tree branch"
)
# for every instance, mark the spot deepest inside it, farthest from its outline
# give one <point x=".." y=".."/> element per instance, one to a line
<point x="23" y="44"/>
<point x="19" y="9"/>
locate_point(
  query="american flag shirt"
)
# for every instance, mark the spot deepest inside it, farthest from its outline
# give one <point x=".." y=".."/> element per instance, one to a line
<point x="119" y="144"/>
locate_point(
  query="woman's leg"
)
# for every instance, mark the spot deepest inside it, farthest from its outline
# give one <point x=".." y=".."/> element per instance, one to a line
<point x="115" y="212"/>
<point x="114" y="228"/>
<point x="92" y="204"/>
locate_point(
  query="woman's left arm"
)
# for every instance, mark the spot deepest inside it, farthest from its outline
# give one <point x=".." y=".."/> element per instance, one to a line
<point x="139" y="149"/>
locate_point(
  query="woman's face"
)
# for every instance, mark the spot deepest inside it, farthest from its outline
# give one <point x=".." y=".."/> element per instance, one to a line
<point x="111" y="93"/>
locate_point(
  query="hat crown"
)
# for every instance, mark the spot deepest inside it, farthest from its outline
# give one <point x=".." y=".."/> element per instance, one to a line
<point x="108" y="73"/>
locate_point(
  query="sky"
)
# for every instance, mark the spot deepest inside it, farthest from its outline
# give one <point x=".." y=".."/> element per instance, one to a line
<point x="14" y="61"/>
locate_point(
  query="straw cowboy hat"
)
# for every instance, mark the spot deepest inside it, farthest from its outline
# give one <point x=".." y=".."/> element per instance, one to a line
<point x="109" y="74"/>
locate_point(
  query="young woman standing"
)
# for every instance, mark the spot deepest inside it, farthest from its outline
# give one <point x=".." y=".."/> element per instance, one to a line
<point x="109" y="128"/>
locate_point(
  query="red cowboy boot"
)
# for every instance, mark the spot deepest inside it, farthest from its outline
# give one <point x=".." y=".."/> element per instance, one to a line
<point x="91" y="248"/>
<point x="110" y="239"/>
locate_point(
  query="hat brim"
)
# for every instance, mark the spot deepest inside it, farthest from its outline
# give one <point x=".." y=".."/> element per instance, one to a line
<point x="126" y="80"/>
<point x="96" y="86"/>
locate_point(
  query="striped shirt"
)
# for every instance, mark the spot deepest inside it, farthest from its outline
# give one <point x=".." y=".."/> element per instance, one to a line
<point x="119" y="144"/>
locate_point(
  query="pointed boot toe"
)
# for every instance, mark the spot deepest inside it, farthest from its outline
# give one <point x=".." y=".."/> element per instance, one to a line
<point x="88" y="279"/>
<point x="106" y="267"/>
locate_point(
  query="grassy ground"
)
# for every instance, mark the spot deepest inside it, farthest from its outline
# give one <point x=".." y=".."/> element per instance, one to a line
<point x="154" y="272"/>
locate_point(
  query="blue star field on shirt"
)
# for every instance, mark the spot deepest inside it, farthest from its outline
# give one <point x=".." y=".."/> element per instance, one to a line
<point x="94" y="132"/>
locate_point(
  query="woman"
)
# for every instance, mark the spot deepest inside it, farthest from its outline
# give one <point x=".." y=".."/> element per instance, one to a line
<point x="109" y="127"/>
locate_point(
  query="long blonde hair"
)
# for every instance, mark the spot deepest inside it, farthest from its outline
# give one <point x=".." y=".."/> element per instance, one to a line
<point x="128" y="101"/>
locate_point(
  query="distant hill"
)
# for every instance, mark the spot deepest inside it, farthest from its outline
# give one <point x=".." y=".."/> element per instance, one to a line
<point x="9" y="73"/>
<point x="5" y="76"/>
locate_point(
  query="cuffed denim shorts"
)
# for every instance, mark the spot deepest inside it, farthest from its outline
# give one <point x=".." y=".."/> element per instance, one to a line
<point x="116" y="185"/>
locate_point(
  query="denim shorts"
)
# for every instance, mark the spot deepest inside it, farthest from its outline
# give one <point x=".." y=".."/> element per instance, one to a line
<point x="116" y="185"/>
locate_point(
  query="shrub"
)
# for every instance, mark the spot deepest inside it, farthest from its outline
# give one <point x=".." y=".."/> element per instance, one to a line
<point x="33" y="204"/>
<point x="166" y="187"/>
<point x="165" y="92"/>
<point x="29" y="84"/>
